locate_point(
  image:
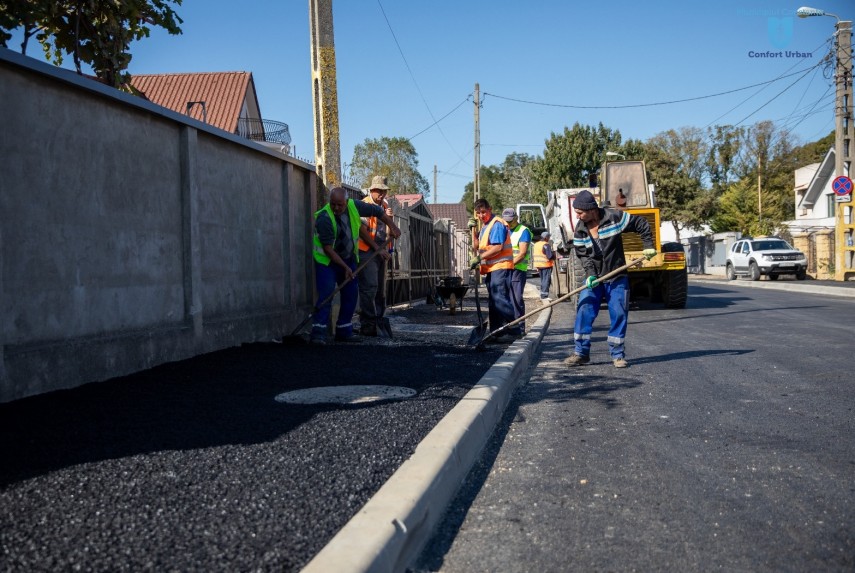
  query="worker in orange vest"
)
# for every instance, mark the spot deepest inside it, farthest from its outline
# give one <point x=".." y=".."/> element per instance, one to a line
<point x="495" y="260"/>
<point x="372" y="283"/>
<point x="544" y="262"/>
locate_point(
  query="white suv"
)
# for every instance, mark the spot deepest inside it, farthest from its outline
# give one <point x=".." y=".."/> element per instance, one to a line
<point x="771" y="257"/>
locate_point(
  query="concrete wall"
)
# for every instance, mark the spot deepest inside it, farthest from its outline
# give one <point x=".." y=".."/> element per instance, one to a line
<point x="131" y="235"/>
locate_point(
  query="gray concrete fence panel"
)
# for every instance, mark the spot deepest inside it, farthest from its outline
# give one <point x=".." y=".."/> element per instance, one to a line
<point x="131" y="235"/>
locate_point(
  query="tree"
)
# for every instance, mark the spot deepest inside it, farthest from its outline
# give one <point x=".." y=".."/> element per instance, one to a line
<point x="95" y="32"/>
<point x="724" y="154"/>
<point x="737" y="209"/>
<point x="519" y="181"/>
<point x="570" y="158"/>
<point x="491" y="185"/>
<point x="676" y="163"/>
<point x="393" y="157"/>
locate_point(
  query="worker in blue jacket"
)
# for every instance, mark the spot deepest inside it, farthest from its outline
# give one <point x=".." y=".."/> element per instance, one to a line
<point x="597" y="242"/>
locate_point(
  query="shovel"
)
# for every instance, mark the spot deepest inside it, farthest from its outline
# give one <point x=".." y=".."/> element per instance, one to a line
<point x="479" y="331"/>
<point x="473" y="337"/>
<point x="294" y="335"/>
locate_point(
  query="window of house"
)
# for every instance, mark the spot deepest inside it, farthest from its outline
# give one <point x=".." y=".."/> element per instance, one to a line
<point x="831" y="205"/>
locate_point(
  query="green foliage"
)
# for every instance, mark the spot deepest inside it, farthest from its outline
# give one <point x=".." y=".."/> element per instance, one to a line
<point x="394" y="157"/>
<point x="570" y="158"/>
<point x="95" y="32"/>
<point x="676" y="166"/>
<point x="737" y="210"/>
<point x="725" y="146"/>
<point x="491" y="183"/>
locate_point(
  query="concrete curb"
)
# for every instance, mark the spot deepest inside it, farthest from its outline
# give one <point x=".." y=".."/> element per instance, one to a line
<point x="800" y="286"/>
<point x="391" y="529"/>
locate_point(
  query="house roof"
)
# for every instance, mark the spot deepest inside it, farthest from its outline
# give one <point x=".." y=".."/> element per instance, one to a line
<point x="408" y="200"/>
<point x="455" y="211"/>
<point x="224" y="94"/>
<point x="819" y="180"/>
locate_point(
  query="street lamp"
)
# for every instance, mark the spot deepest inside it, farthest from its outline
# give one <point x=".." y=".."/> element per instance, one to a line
<point x="807" y="12"/>
<point x="615" y="154"/>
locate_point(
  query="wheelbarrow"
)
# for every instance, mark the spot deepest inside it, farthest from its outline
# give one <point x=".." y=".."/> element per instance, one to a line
<point x="450" y="291"/>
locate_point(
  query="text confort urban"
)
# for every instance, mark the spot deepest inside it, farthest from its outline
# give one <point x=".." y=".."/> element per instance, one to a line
<point x="779" y="54"/>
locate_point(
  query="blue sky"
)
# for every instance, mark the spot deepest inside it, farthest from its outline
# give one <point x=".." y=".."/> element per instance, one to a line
<point x="615" y="53"/>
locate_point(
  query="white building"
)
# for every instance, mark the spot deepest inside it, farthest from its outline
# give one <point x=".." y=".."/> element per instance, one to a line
<point x="815" y="199"/>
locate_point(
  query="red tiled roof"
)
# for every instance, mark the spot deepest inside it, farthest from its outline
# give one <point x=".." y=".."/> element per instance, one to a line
<point x="455" y="211"/>
<point x="408" y="199"/>
<point x="223" y="93"/>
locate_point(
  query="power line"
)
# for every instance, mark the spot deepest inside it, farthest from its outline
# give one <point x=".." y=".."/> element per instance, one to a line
<point x="468" y="99"/>
<point x="627" y="106"/>
<point x="779" y="94"/>
<point x="413" y="77"/>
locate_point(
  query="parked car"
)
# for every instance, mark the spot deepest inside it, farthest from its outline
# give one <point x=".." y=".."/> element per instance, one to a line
<point x="769" y="256"/>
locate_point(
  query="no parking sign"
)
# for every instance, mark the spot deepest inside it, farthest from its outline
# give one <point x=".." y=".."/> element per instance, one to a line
<point x="842" y="187"/>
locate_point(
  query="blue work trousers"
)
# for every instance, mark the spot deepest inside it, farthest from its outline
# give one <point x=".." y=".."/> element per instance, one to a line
<point x="616" y="293"/>
<point x="545" y="281"/>
<point x="518" y="279"/>
<point x="501" y="309"/>
<point x="327" y="278"/>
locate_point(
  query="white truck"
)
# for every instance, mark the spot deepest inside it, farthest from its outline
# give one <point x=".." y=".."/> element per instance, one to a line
<point x="623" y="186"/>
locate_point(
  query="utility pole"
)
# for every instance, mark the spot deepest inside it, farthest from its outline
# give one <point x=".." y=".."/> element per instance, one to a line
<point x="843" y="140"/>
<point x="476" y="184"/>
<point x="434" y="184"/>
<point x="324" y="93"/>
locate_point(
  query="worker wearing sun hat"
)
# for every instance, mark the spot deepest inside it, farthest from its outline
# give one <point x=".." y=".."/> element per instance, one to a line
<point x="372" y="284"/>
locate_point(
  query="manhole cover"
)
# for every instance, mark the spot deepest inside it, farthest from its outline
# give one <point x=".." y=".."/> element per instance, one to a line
<point x="345" y="394"/>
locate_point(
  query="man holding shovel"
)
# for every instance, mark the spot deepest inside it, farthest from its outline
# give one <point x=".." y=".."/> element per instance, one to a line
<point x="372" y="284"/>
<point x="338" y="228"/>
<point x="598" y="245"/>
<point x="495" y="260"/>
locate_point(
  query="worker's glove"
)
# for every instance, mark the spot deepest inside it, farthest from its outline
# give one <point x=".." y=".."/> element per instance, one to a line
<point x="591" y="282"/>
<point x="649" y="253"/>
<point x="472" y="223"/>
<point x="475" y="262"/>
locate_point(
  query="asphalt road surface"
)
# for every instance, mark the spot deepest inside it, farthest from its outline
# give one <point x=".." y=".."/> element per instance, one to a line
<point x="726" y="445"/>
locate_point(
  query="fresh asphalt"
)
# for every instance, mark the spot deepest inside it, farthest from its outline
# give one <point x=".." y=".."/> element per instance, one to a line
<point x="194" y="466"/>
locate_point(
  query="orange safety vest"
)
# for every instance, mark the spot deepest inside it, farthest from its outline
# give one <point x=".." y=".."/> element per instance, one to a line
<point x="505" y="258"/>
<point x="372" y="225"/>
<point x="540" y="260"/>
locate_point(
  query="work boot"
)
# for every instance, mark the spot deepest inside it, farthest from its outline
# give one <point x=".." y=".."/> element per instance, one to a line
<point x="620" y="362"/>
<point x="368" y="330"/>
<point x="577" y="360"/>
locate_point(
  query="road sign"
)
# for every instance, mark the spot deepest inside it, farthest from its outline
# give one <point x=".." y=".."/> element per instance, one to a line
<point x="842" y="185"/>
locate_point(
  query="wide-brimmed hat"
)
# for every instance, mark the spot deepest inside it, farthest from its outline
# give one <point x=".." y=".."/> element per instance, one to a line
<point x="509" y="214"/>
<point x="379" y="182"/>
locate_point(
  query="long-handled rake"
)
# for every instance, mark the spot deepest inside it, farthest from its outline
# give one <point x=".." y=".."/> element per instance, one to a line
<point x="480" y="344"/>
<point x="294" y="337"/>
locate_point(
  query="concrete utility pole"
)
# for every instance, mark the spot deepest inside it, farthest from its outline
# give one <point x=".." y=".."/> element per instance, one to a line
<point x="843" y="140"/>
<point x="476" y="183"/>
<point x="324" y="93"/>
<point x="434" y="184"/>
